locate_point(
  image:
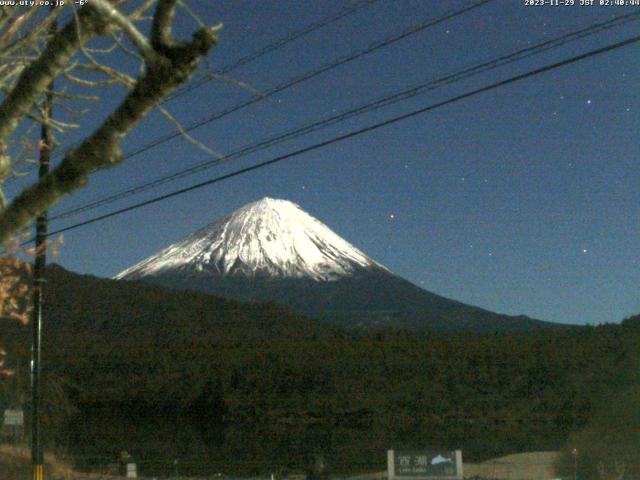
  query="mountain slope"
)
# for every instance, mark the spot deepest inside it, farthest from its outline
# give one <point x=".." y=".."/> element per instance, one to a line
<point x="144" y="312"/>
<point x="273" y="250"/>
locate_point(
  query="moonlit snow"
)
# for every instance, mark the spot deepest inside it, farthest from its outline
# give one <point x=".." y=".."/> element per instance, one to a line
<point x="270" y="237"/>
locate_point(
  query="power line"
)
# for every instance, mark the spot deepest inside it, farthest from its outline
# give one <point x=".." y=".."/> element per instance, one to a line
<point x="356" y="133"/>
<point x="271" y="47"/>
<point x="310" y="74"/>
<point x="414" y="29"/>
<point x="277" y="45"/>
<point x="368" y="107"/>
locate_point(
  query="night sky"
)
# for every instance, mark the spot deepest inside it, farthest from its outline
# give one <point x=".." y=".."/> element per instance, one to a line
<point x="521" y="200"/>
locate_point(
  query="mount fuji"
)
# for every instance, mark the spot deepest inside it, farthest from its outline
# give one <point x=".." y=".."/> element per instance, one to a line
<point x="269" y="238"/>
<point x="272" y="250"/>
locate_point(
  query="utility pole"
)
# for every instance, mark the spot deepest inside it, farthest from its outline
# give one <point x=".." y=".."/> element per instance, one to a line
<point x="40" y="262"/>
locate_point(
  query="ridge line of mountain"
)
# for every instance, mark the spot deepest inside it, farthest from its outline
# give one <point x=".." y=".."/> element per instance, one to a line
<point x="272" y="250"/>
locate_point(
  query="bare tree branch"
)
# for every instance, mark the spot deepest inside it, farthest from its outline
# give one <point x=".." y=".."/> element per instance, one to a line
<point x="172" y="64"/>
<point x="138" y="39"/>
<point x="36" y="77"/>
<point x="32" y="34"/>
<point x="115" y="76"/>
<point x="186" y="136"/>
<point x="161" y="36"/>
<point x="138" y="12"/>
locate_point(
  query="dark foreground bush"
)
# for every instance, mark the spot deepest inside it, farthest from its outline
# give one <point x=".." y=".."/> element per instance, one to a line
<point x="607" y="449"/>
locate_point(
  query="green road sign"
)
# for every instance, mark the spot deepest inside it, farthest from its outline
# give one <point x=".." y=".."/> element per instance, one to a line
<point x="407" y="465"/>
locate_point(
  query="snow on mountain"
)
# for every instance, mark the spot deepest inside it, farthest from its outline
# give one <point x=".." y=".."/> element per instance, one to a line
<point x="271" y="250"/>
<point x="267" y="238"/>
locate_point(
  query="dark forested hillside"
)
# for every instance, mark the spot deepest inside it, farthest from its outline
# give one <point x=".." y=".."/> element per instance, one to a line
<point x="369" y="299"/>
<point x="118" y="348"/>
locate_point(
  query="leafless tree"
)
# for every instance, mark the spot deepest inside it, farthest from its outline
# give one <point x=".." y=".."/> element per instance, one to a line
<point x="81" y="54"/>
<point x="32" y="55"/>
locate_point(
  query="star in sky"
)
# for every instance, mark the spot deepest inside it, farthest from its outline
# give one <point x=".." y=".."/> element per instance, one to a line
<point x="558" y="163"/>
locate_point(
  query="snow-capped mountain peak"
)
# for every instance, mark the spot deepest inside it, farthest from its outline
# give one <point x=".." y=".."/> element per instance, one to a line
<point x="267" y="238"/>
